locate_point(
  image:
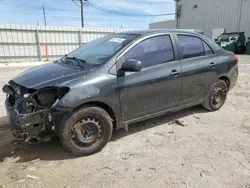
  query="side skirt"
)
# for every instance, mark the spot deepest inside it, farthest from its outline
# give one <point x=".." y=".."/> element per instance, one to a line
<point x="149" y="116"/>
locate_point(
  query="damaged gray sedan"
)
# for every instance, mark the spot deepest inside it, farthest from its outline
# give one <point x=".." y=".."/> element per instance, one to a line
<point x="116" y="80"/>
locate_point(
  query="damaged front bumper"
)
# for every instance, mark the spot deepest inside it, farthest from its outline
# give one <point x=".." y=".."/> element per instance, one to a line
<point x="35" y="125"/>
<point x="30" y="120"/>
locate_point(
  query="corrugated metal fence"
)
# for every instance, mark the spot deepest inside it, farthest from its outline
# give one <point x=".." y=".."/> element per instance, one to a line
<point x="19" y="43"/>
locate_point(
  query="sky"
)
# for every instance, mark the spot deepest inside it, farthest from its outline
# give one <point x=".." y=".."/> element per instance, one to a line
<point x="67" y="13"/>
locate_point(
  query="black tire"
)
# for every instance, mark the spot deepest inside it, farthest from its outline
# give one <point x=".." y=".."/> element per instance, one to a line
<point x="210" y="103"/>
<point x="69" y="133"/>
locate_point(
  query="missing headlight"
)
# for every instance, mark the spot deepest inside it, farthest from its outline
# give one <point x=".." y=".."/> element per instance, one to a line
<point x="47" y="97"/>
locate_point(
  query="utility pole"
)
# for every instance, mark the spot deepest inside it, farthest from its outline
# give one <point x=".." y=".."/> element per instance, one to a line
<point x="44" y="16"/>
<point x="81" y="5"/>
<point x="82" y="18"/>
<point x="176" y="14"/>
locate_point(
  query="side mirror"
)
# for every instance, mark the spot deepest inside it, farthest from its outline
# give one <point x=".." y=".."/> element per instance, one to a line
<point x="131" y="65"/>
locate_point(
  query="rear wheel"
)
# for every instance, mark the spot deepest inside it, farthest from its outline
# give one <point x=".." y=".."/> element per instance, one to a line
<point x="86" y="131"/>
<point x="217" y="96"/>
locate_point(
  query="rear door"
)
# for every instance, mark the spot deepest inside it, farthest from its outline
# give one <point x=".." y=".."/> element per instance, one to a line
<point x="198" y="62"/>
<point x="157" y="86"/>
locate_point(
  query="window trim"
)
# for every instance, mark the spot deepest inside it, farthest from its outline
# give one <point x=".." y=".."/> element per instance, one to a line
<point x="189" y="35"/>
<point x="151" y="37"/>
<point x="208" y="46"/>
<point x="120" y="58"/>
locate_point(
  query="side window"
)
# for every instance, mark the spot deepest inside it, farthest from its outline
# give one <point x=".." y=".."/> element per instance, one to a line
<point x="191" y="46"/>
<point x="168" y="48"/>
<point x="152" y="51"/>
<point x="208" y="49"/>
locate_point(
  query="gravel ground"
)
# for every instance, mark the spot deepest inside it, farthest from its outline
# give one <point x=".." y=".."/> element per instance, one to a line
<point x="212" y="150"/>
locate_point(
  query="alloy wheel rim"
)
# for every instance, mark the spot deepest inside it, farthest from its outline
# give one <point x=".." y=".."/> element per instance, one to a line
<point x="219" y="94"/>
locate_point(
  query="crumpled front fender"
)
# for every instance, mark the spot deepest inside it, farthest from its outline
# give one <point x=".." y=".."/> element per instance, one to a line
<point x="78" y="96"/>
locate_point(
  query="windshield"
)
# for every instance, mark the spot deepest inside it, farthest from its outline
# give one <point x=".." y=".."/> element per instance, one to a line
<point x="100" y="50"/>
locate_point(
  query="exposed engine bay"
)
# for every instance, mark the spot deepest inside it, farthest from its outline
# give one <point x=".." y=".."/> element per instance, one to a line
<point x="33" y="110"/>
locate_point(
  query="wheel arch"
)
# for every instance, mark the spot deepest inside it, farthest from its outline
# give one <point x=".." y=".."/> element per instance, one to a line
<point x="102" y="105"/>
<point x="225" y="79"/>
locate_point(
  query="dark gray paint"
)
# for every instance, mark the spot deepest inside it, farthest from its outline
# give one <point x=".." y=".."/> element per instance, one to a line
<point x="139" y="95"/>
<point x="142" y="92"/>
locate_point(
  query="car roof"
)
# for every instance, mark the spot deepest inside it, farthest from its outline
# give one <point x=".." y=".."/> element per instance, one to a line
<point x="154" y="31"/>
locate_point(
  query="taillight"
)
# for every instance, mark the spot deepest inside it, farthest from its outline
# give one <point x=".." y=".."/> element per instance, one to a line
<point x="237" y="59"/>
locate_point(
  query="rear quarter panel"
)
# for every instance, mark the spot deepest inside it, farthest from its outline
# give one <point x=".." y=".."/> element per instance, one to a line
<point x="227" y="66"/>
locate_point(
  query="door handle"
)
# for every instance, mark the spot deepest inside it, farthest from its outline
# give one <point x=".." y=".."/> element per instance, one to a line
<point x="174" y="73"/>
<point x="212" y="65"/>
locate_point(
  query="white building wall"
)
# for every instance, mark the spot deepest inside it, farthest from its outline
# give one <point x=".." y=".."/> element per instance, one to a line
<point x="232" y="15"/>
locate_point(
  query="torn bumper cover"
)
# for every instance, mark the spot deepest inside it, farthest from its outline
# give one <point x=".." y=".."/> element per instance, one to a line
<point x="32" y="113"/>
<point x="31" y="125"/>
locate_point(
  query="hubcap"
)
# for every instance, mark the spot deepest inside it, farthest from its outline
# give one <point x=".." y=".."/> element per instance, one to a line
<point x="86" y="131"/>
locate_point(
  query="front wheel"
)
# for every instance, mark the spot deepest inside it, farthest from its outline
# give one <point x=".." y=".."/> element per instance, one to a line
<point x="86" y="131"/>
<point x="217" y="96"/>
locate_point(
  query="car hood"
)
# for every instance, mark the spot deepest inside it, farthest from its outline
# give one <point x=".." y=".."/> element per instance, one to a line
<point x="50" y="74"/>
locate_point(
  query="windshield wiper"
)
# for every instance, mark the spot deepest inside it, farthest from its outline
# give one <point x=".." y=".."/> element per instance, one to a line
<point x="75" y="58"/>
<point x="79" y="61"/>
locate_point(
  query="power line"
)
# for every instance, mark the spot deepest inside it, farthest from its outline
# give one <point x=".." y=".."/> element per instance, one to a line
<point x="76" y="3"/>
<point x="125" y="13"/>
<point x="86" y="3"/>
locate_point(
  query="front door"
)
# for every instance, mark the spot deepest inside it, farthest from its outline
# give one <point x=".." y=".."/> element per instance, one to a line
<point x="199" y="68"/>
<point x="157" y="86"/>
